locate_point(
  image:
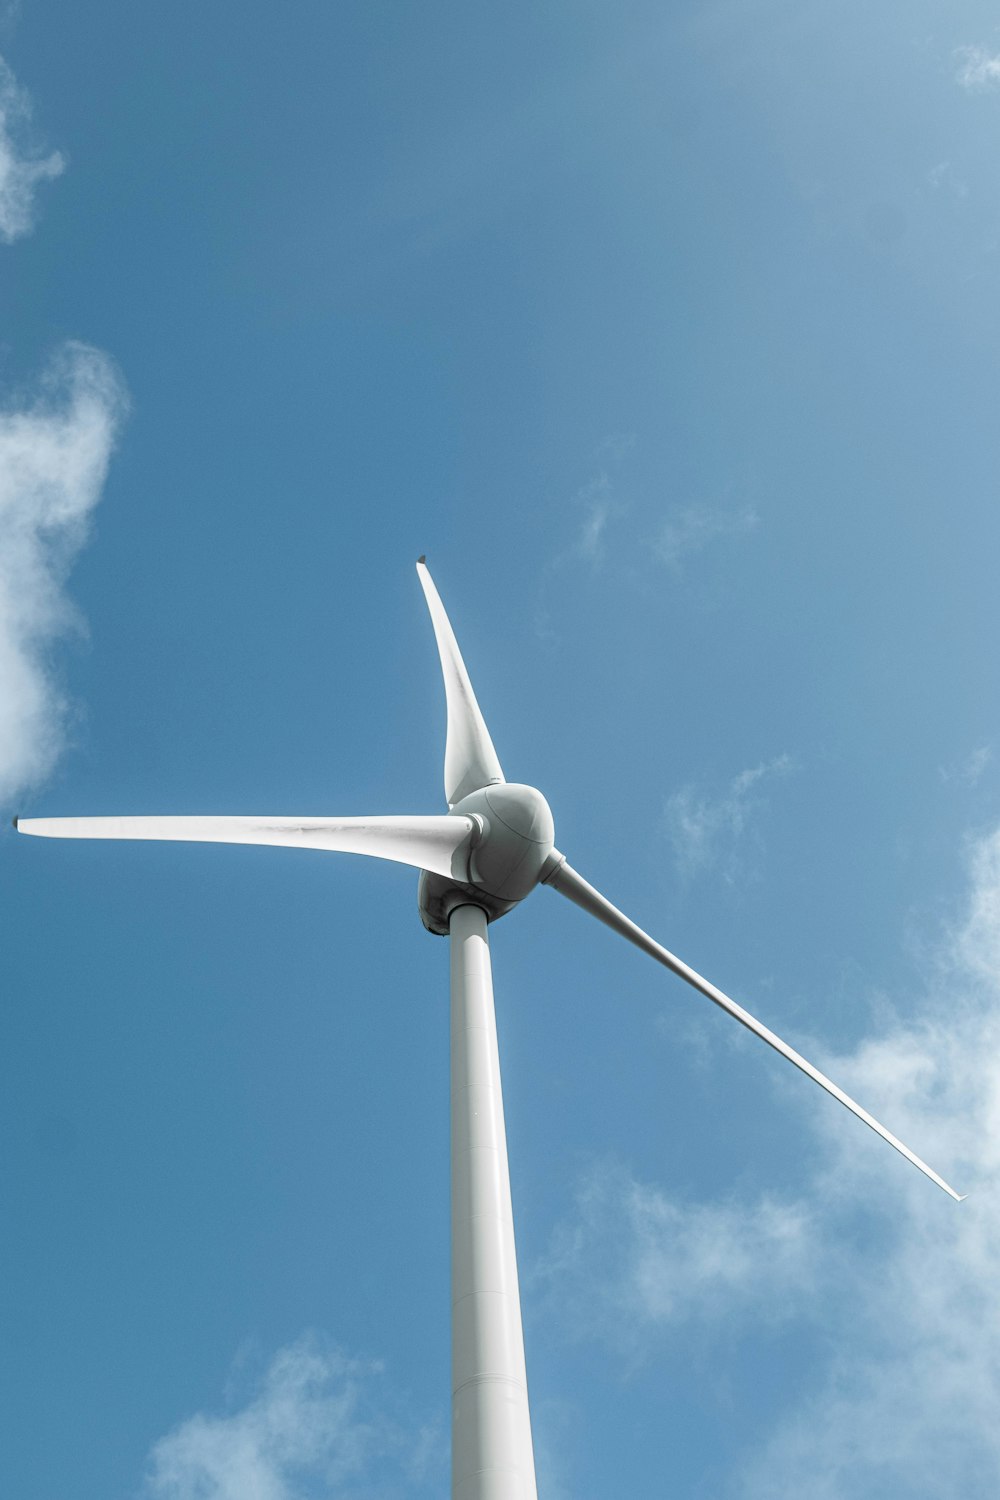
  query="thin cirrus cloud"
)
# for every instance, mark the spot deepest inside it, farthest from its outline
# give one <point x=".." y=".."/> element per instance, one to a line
<point x="689" y="529"/>
<point x="21" y="167"/>
<point x="707" y="832"/>
<point x="315" y="1424"/>
<point x="54" y="452"/>
<point x="901" y="1392"/>
<point x="597" y="502"/>
<point x="977" y="69"/>
<point x="969" y="770"/>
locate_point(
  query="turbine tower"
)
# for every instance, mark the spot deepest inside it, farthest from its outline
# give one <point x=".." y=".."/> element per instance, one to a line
<point x="494" y="845"/>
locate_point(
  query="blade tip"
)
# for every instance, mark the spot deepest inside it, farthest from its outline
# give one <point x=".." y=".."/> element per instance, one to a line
<point x="422" y="560"/>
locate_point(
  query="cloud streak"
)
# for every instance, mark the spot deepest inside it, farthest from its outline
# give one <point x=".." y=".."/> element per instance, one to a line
<point x="968" y="771"/>
<point x="54" y="452"/>
<point x="21" y="167"/>
<point x="706" y="831"/>
<point x="598" y="506"/>
<point x="597" y="503"/>
<point x="690" y="529"/>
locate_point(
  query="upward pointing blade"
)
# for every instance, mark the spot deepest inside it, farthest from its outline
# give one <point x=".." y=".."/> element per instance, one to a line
<point x="439" y="843"/>
<point x="569" y="883"/>
<point x="470" y="760"/>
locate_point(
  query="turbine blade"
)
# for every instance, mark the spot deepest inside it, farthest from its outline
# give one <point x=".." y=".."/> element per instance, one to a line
<point x="470" y="760"/>
<point x="440" y="844"/>
<point x="566" y="880"/>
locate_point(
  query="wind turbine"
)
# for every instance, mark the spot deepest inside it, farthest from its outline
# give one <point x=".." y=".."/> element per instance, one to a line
<point x="494" y="845"/>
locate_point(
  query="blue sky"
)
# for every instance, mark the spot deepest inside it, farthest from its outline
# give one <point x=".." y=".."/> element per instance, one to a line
<point x="672" y="340"/>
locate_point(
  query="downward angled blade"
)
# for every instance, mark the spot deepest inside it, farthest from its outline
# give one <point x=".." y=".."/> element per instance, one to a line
<point x="470" y="760"/>
<point x="440" y="844"/>
<point x="565" y="880"/>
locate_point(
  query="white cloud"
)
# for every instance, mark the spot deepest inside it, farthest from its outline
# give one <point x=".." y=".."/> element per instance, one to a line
<point x="54" y="451"/>
<point x="595" y="498"/>
<point x="902" y="1398"/>
<point x="616" y="446"/>
<point x="639" y="1260"/>
<point x="314" y="1427"/>
<point x="968" y="770"/>
<point x="975" y="948"/>
<point x="596" y="503"/>
<point x="706" y="831"/>
<point x="21" y="168"/>
<point x="690" y="529"/>
<point x="942" y="176"/>
<point x="977" y="69"/>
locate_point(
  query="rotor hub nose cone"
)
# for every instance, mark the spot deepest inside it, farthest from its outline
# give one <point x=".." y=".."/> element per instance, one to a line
<point x="523" y="810"/>
<point x="520" y="832"/>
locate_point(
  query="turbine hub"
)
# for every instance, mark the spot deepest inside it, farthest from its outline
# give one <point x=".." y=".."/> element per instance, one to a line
<point x="506" y="858"/>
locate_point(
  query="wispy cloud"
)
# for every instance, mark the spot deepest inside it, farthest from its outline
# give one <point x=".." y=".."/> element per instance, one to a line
<point x="977" y="69"/>
<point x="967" y="771"/>
<point x="54" y="451"/>
<point x="616" y="446"/>
<point x="902" y="1396"/>
<point x="689" y="529"/>
<point x="315" y="1425"/>
<point x="942" y="176"/>
<point x="596" y="503"/>
<point x="706" y="831"/>
<point x="22" y="168"/>
<point x="639" y="1260"/>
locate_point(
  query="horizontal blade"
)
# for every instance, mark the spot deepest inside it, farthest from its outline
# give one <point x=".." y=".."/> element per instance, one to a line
<point x="565" y="880"/>
<point x="470" y="760"/>
<point x="439" y="843"/>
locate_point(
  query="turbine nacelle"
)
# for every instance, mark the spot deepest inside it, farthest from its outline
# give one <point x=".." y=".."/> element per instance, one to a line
<point x="510" y="849"/>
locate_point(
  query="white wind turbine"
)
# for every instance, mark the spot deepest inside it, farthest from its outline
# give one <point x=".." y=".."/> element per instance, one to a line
<point x="476" y="862"/>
